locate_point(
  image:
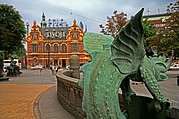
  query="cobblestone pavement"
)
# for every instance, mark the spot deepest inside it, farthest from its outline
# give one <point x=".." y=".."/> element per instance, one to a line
<point x="169" y="88"/>
<point x="32" y="77"/>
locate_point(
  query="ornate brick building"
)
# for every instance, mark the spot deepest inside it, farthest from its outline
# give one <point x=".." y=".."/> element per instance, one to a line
<point x="53" y="45"/>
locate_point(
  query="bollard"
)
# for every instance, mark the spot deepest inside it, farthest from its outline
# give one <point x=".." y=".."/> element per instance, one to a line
<point x="75" y="66"/>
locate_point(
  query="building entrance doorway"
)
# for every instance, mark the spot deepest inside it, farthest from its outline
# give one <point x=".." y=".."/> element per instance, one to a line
<point x="55" y="62"/>
<point x="34" y="61"/>
<point x="63" y="63"/>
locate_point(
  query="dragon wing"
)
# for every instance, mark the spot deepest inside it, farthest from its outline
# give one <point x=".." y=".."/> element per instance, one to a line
<point x="127" y="48"/>
<point x="94" y="42"/>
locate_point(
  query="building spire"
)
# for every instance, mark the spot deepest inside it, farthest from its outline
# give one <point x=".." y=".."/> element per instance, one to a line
<point x="43" y="17"/>
<point x="43" y="23"/>
<point x="148" y="11"/>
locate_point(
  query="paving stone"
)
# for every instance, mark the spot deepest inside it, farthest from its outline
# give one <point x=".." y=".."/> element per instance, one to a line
<point x="33" y="96"/>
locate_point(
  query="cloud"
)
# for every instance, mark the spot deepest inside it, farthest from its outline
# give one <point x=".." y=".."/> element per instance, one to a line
<point x="90" y="12"/>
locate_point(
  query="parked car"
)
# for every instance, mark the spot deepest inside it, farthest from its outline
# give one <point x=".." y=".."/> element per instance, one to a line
<point x="17" y="62"/>
<point x="175" y="66"/>
<point x="37" y="67"/>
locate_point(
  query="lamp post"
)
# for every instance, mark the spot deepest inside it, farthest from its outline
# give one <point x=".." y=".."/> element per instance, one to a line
<point x="48" y="58"/>
<point x="27" y="33"/>
<point x="27" y="24"/>
<point x="48" y="49"/>
<point x="48" y="55"/>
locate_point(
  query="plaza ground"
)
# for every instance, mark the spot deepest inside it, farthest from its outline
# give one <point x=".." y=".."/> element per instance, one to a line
<point x="33" y="95"/>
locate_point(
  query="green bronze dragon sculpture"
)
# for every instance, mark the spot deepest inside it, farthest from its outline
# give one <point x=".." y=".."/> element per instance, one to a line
<point x="114" y="66"/>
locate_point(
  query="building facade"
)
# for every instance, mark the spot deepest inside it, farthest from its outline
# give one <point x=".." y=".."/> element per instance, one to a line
<point x="158" y="20"/>
<point x="53" y="45"/>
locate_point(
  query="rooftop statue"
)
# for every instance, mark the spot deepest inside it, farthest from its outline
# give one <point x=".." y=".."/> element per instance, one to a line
<point x="114" y="66"/>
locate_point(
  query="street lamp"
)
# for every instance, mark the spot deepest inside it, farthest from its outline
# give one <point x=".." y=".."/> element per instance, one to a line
<point x="27" y="24"/>
<point x="48" y="50"/>
<point x="48" y="59"/>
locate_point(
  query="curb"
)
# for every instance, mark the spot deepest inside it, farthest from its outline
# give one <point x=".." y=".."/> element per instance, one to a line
<point x="36" y="108"/>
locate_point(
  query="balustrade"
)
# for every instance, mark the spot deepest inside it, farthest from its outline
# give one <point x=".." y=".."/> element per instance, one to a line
<point x="70" y="95"/>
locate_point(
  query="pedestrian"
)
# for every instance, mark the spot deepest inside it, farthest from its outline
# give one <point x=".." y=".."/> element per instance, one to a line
<point x="57" y="68"/>
<point x="41" y="71"/>
<point x="52" y="69"/>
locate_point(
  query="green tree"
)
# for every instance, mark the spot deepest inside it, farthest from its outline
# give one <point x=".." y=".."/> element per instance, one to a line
<point x="114" y="23"/>
<point x="172" y="27"/>
<point x="118" y="20"/>
<point x="149" y="31"/>
<point x="169" y="36"/>
<point x="149" y="28"/>
<point x="12" y="30"/>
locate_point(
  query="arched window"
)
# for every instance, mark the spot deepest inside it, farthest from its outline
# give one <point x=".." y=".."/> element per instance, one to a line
<point x="64" y="48"/>
<point x="75" y="48"/>
<point x="56" y="48"/>
<point x="34" y="47"/>
<point x="48" y="48"/>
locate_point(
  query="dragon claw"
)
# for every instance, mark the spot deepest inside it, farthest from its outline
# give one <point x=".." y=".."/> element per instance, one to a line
<point x="158" y="106"/>
<point x="128" y="97"/>
<point x="125" y="113"/>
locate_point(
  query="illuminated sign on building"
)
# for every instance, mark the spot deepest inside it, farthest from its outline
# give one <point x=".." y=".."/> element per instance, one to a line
<point x="55" y="34"/>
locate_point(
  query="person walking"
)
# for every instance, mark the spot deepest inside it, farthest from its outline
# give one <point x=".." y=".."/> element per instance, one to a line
<point x="52" y="69"/>
<point x="41" y="71"/>
<point x="57" y="68"/>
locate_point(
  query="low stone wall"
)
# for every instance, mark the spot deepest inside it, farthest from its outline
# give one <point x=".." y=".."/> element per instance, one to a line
<point x="69" y="94"/>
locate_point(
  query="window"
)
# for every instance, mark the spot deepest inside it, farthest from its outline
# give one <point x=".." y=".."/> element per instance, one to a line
<point x="34" y="47"/>
<point x="64" y="48"/>
<point x="74" y="35"/>
<point x="37" y="36"/>
<point x="56" y="48"/>
<point x="74" y="47"/>
<point x="47" y="48"/>
<point x="159" y="25"/>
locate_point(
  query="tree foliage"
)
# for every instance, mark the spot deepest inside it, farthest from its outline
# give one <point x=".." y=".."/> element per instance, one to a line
<point x="118" y="20"/>
<point x="12" y="29"/>
<point x="167" y="38"/>
<point x="149" y="28"/>
<point x="149" y="31"/>
<point x="171" y="32"/>
<point x="114" y="23"/>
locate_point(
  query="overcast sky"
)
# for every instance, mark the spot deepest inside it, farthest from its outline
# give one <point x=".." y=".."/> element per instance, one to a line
<point x="90" y="12"/>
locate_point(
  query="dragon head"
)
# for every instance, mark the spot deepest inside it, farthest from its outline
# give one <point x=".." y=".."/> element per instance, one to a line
<point x="160" y="64"/>
<point x="128" y="55"/>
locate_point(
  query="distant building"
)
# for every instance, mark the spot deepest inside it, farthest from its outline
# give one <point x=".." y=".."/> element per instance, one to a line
<point x="158" y="20"/>
<point x="54" y="43"/>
